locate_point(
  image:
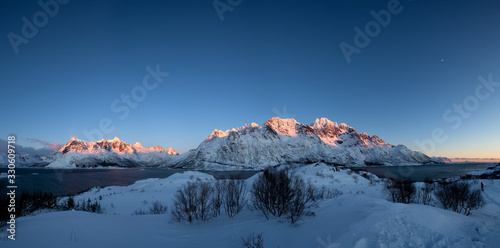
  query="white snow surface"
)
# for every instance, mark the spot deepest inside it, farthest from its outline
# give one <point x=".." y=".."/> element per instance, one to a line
<point x="282" y="141"/>
<point x="361" y="217"/>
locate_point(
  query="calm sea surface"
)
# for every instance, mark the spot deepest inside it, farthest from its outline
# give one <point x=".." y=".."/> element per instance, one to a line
<point x="72" y="181"/>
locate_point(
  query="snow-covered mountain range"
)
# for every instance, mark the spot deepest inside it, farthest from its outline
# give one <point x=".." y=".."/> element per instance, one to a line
<point x="24" y="160"/>
<point x="80" y="153"/>
<point x="281" y="141"/>
<point x="278" y="141"/>
<point x="115" y="146"/>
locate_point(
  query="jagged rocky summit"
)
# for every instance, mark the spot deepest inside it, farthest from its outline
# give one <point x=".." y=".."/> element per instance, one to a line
<point x="282" y="141"/>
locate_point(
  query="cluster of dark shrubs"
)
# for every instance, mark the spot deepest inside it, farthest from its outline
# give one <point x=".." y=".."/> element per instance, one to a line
<point x="459" y="197"/>
<point x="28" y="203"/>
<point x="277" y="193"/>
<point x="204" y="200"/>
<point x="31" y="202"/>
<point x="456" y="196"/>
<point x="83" y="205"/>
<point x="156" y="208"/>
<point x="280" y="193"/>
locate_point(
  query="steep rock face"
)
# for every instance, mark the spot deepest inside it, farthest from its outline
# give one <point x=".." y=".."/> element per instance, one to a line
<point x="344" y="136"/>
<point x="281" y="141"/>
<point x="74" y="145"/>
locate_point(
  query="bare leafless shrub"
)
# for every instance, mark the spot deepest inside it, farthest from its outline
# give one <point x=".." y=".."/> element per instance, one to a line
<point x="402" y="191"/>
<point x="355" y="178"/>
<point x="371" y="177"/>
<point x="253" y="241"/>
<point x="234" y="198"/>
<point x="184" y="207"/>
<point x="301" y="199"/>
<point x="192" y="202"/>
<point x="326" y="193"/>
<point x="459" y="197"/>
<point x="203" y="200"/>
<point x="424" y="194"/>
<point x="269" y="191"/>
<point x="217" y="197"/>
<point x="280" y="193"/>
<point x="140" y="212"/>
<point x="158" y="208"/>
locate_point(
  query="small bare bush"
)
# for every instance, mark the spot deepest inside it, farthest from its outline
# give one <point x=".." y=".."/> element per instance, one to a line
<point x="253" y="241"/>
<point x="424" y="194"/>
<point x="158" y="208"/>
<point x="326" y="193"/>
<point x="217" y="197"/>
<point x="234" y="198"/>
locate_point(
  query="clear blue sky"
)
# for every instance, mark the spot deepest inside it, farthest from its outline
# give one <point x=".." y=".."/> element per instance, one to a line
<point x="263" y="56"/>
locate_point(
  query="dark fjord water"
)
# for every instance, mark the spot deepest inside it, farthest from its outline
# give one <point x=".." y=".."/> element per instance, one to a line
<point x="72" y="181"/>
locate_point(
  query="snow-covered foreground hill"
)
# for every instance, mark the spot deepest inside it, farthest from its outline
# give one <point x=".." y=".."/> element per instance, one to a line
<point x="360" y="217"/>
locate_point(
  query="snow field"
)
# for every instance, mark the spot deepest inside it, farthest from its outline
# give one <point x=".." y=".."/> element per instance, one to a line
<point x="360" y="217"/>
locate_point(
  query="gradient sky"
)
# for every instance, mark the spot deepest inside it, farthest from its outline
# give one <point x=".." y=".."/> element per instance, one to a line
<point x="263" y="57"/>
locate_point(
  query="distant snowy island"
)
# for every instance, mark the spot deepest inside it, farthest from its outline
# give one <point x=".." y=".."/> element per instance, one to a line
<point x="277" y="142"/>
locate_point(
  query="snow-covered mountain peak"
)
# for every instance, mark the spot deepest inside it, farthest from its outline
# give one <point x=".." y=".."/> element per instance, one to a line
<point x="323" y="122"/>
<point x="220" y="133"/>
<point x="116" y="139"/>
<point x="217" y="133"/>
<point x="287" y="127"/>
<point x="171" y="151"/>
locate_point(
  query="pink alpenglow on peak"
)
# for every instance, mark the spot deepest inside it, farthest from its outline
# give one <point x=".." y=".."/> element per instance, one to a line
<point x="115" y="146"/>
<point x="171" y="151"/>
<point x="331" y="133"/>
<point x="284" y="141"/>
<point x="283" y="126"/>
